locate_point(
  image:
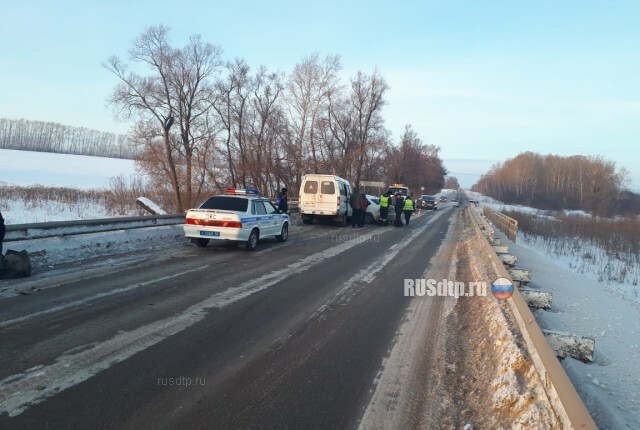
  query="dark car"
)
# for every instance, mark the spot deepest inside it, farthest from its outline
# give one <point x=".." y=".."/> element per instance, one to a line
<point x="443" y="199"/>
<point x="428" y="202"/>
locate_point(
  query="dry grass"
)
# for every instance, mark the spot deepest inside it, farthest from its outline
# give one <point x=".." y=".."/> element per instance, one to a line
<point x="609" y="248"/>
<point x="119" y="200"/>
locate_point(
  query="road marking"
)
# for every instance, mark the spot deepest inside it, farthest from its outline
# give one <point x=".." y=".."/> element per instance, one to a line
<point x="388" y="407"/>
<point x="95" y="297"/>
<point x="369" y="273"/>
<point x="19" y="392"/>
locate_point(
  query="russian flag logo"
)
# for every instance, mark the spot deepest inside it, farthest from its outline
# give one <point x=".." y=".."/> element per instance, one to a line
<point x="502" y="288"/>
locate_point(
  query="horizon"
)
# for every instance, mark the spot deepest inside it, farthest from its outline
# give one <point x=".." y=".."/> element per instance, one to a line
<point x="483" y="83"/>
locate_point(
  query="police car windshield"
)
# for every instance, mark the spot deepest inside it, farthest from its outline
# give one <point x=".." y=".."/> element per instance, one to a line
<point x="226" y="203"/>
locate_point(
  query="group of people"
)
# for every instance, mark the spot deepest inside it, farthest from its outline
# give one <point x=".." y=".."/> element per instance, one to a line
<point x="401" y="205"/>
<point x="359" y="203"/>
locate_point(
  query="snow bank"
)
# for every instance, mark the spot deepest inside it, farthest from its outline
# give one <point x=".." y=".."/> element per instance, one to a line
<point x="587" y="304"/>
<point x="67" y="249"/>
<point x="517" y="391"/>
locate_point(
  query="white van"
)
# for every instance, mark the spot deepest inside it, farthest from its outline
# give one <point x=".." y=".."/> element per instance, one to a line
<point x="325" y="196"/>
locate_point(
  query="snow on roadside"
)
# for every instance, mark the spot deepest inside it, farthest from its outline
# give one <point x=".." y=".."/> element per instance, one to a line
<point x="610" y="387"/>
<point x="50" y="252"/>
<point x="516" y="386"/>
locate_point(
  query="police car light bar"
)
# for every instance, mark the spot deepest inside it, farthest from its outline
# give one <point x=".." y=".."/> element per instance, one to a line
<point x="242" y="192"/>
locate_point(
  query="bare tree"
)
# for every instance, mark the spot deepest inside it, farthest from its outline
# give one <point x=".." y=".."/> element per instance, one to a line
<point x="309" y="89"/>
<point x="175" y="90"/>
<point x="367" y="101"/>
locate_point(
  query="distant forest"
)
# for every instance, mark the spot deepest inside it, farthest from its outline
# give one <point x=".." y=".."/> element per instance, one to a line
<point x="25" y="135"/>
<point x="592" y="184"/>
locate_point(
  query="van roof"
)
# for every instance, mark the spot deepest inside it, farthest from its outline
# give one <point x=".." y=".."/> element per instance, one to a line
<point x="323" y="175"/>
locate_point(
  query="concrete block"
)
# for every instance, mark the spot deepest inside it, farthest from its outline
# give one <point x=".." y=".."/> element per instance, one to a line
<point x="536" y="298"/>
<point x="500" y="249"/>
<point x="522" y="275"/>
<point x="571" y="345"/>
<point x="508" y="260"/>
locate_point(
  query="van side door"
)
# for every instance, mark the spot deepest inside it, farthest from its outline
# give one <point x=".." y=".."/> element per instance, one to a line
<point x="345" y="195"/>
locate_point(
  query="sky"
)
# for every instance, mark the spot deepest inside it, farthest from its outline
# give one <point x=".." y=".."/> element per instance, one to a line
<point x="483" y="80"/>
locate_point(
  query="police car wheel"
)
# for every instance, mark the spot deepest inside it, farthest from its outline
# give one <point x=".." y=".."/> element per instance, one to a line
<point x="253" y="240"/>
<point x="284" y="233"/>
<point x="201" y="243"/>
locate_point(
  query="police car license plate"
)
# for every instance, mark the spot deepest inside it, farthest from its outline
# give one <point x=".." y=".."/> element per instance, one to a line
<point x="210" y="233"/>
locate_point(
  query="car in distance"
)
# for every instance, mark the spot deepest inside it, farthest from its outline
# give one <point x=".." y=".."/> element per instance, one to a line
<point x="428" y="202"/>
<point x="443" y="199"/>
<point x="238" y="216"/>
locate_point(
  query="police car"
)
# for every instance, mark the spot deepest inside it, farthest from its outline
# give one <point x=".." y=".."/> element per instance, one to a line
<point x="237" y="216"/>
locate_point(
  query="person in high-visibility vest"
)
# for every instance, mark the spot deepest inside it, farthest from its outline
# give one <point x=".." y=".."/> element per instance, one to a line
<point x="408" y="209"/>
<point x="384" y="207"/>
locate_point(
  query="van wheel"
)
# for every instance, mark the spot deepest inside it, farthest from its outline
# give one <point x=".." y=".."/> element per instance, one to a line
<point x="200" y="243"/>
<point x="368" y="218"/>
<point x="342" y="222"/>
<point x="284" y="233"/>
<point x="252" y="243"/>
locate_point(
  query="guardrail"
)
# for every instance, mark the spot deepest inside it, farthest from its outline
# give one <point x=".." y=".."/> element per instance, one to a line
<point x="564" y="398"/>
<point x="69" y="228"/>
<point x="505" y="224"/>
<point x="44" y="230"/>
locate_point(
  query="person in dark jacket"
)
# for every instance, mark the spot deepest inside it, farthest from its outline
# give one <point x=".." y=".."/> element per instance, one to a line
<point x="356" y="204"/>
<point x="282" y="201"/>
<point x="3" y="230"/>
<point x="363" y="212"/>
<point x="399" y="207"/>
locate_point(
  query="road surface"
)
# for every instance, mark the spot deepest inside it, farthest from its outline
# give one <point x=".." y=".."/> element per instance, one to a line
<point x="315" y="333"/>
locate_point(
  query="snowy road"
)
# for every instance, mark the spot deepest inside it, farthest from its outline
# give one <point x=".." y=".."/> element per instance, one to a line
<point x="296" y="335"/>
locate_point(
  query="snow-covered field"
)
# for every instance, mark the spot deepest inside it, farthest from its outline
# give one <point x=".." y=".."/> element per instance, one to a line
<point x="62" y="170"/>
<point x="26" y="168"/>
<point x="587" y="305"/>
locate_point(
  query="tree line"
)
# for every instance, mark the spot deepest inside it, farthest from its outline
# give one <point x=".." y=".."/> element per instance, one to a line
<point x="41" y="136"/>
<point x="202" y="123"/>
<point x="590" y="183"/>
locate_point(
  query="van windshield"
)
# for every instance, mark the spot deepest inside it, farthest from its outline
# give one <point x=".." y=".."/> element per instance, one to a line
<point x="328" y="187"/>
<point x="311" y="187"/>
